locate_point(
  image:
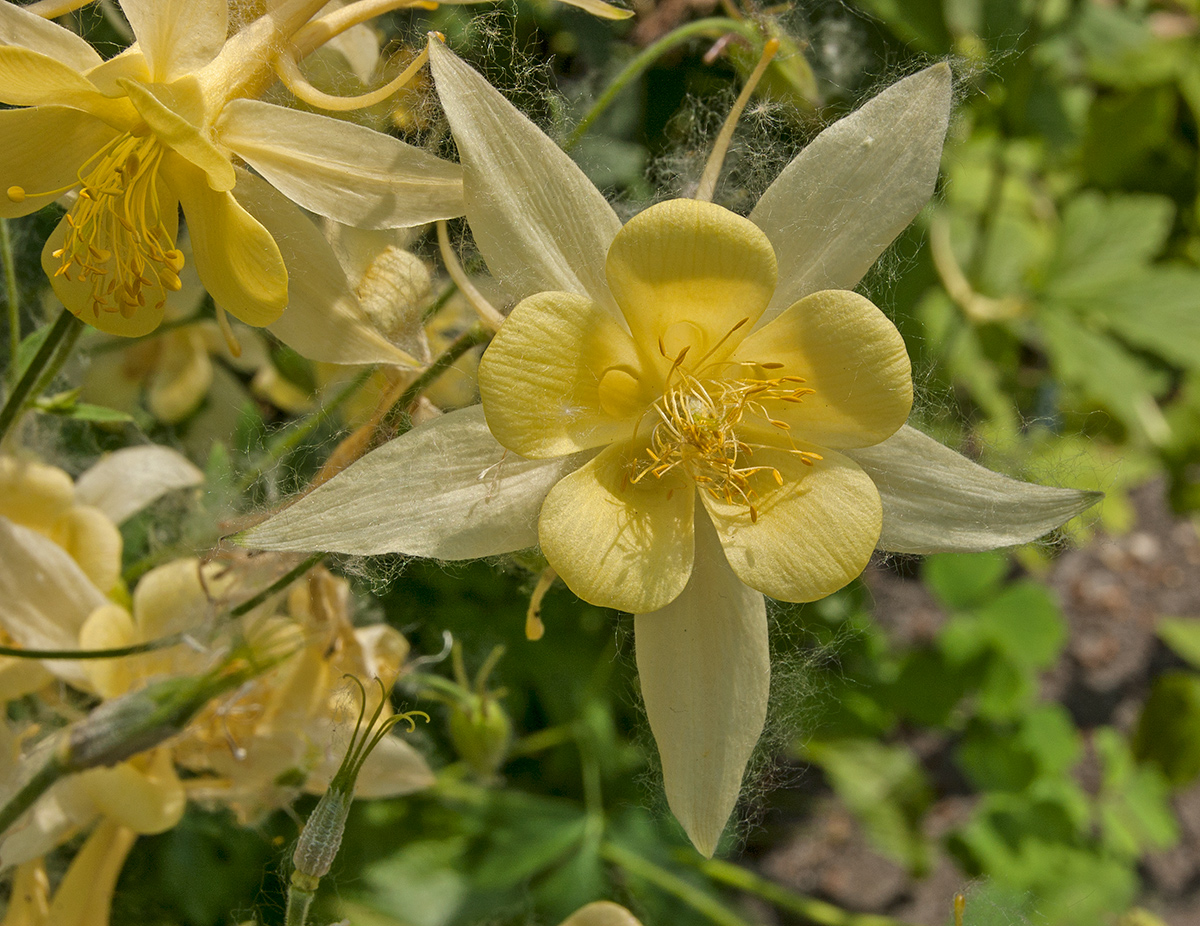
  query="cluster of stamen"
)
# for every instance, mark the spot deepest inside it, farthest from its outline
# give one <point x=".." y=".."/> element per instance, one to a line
<point x="117" y="235"/>
<point x="699" y="416"/>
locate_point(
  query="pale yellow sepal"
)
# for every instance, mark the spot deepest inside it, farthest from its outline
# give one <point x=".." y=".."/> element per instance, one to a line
<point x="601" y="913"/>
<point x="616" y="544"/>
<point x="20" y="27"/>
<point x="177" y="36"/>
<point x="705" y="669"/>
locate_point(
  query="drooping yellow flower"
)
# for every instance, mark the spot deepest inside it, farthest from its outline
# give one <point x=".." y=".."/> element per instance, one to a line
<point x="691" y="403"/>
<point x="159" y="127"/>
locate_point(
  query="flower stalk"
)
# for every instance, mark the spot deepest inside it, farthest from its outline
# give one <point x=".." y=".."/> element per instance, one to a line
<point x="65" y="330"/>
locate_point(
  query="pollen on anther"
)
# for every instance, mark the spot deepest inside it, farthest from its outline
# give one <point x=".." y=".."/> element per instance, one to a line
<point x="16" y="194"/>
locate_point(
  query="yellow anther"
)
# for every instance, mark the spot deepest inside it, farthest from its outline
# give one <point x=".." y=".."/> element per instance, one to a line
<point x="16" y="194"/>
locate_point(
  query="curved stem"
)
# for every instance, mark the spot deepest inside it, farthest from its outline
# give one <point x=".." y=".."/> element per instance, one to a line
<point x="65" y="326"/>
<point x="671" y="883"/>
<point x="713" y="26"/>
<point x="12" y="295"/>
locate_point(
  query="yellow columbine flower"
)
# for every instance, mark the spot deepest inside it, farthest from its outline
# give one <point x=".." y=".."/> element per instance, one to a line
<point x="686" y="412"/>
<point x="164" y="124"/>
<point x="691" y="403"/>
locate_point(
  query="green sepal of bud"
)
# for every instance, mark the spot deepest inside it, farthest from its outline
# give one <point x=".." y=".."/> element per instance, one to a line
<point x="481" y="733"/>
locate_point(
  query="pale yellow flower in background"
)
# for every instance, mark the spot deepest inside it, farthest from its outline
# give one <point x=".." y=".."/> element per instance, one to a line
<point x="158" y="127"/>
<point x="630" y="409"/>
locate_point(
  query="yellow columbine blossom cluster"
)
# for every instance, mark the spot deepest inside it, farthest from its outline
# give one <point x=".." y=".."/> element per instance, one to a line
<point x="686" y="412"/>
<point x="168" y="123"/>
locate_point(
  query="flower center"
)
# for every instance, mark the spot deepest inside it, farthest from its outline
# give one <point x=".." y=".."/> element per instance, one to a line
<point x="117" y="235"/>
<point x="698" y="424"/>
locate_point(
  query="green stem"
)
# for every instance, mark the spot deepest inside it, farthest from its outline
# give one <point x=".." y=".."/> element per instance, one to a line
<point x="38" y="783"/>
<point x="12" y="294"/>
<point x="65" y="326"/>
<point x="395" y="422"/>
<point x="713" y="26"/>
<point x="60" y="358"/>
<point x="440" y="302"/>
<point x="664" y="880"/>
<point x="289" y="438"/>
<point x="277" y="586"/>
<point x="116" y="652"/>
<point x="298" y="902"/>
<point x="814" y="911"/>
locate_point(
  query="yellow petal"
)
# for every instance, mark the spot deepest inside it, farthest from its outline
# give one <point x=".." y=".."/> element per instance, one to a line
<point x="93" y="542"/>
<point x="705" y="672"/>
<point x="78" y="295"/>
<point x="851" y="355"/>
<point x="29" y="902"/>
<point x="84" y="898"/>
<point x="685" y="273"/>
<point x="42" y="150"/>
<point x="109" y="627"/>
<point x="182" y="376"/>
<point x="144" y="794"/>
<point x="172" y="599"/>
<point x="237" y="259"/>
<point x="124" y="482"/>
<point x="174" y="111"/>
<point x="19" y="677"/>
<point x="813" y="534"/>
<point x="33" y="494"/>
<point x="616" y="544"/>
<point x="561" y="376"/>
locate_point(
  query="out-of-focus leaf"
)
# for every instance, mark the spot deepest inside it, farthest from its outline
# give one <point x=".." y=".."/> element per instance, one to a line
<point x="918" y="22"/>
<point x="1134" y="807"/>
<point x="961" y="580"/>
<point x="886" y="789"/>
<point x="1103" y="238"/>
<point x="1168" y="732"/>
<point x="1182" y="634"/>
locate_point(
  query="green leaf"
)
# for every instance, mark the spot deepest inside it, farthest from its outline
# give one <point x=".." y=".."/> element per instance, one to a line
<point x="1168" y="732"/>
<point x="28" y="348"/>
<point x="918" y="22"/>
<point x="83" y="411"/>
<point x="1105" y="237"/>
<point x="963" y="579"/>
<point x="885" y="787"/>
<point x="1103" y="370"/>
<point x="1158" y="310"/>
<point x="1134" y="804"/>
<point x="1182" y="635"/>
<point x="1025" y="624"/>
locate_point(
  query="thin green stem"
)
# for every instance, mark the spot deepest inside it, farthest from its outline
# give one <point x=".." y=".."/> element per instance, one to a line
<point x="277" y="586"/>
<point x="298" y="902"/>
<point x="395" y="422"/>
<point x="12" y="295"/>
<point x="713" y="26"/>
<point x="34" y="787"/>
<point x="440" y="302"/>
<point x="290" y="437"/>
<point x="817" y="912"/>
<point x="664" y="880"/>
<point x="60" y="358"/>
<point x="65" y="326"/>
<point x="116" y="652"/>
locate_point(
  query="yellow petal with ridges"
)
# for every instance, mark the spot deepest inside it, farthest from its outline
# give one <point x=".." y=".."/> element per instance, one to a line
<point x="809" y="536"/>
<point x="29" y="78"/>
<point x="686" y="273"/>
<point x="854" y="359"/>
<point x="617" y="544"/>
<point x="561" y="376"/>
<point x="237" y="259"/>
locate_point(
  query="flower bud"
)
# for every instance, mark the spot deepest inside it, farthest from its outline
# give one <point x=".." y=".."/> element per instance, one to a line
<point x="481" y="732"/>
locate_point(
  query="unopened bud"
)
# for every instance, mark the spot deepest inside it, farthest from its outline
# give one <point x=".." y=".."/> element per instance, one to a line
<point x="391" y="293"/>
<point x="481" y="733"/>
